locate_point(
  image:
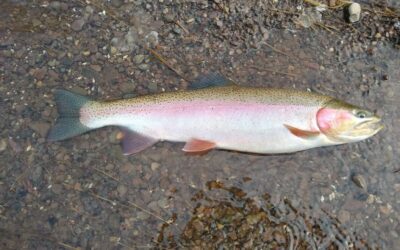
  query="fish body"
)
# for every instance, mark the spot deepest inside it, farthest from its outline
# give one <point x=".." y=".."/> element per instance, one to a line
<point x="246" y="119"/>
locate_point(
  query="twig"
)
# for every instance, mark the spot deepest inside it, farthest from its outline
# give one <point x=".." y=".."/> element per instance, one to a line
<point x="275" y="49"/>
<point x="326" y="27"/>
<point x="126" y="246"/>
<point x="68" y="246"/>
<point x="279" y="72"/>
<point x="181" y="26"/>
<point x="340" y="4"/>
<point x="312" y="2"/>
<point x="148" y="212"/>
<point x="221" y="7"/>
<point x="134" y="205"/>
<point x="104" y="199"/>
<point x="108" y="175"/>
<point x="162" y="60"/>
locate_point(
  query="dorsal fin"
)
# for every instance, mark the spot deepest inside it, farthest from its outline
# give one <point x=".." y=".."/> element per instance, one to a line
<point x="213" y="79"/>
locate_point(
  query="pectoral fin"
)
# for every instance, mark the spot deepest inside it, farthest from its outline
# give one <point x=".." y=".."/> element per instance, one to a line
<point x="133" y="142"/>
<point x="195" y="145"/>
<point x="305" y="134"/>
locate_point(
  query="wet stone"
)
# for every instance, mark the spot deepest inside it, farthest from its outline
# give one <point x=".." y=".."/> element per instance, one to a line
<point x="279" y="237"/>
<point x="40" y="127"/>
<point x="57" y="188"/>
<point x="138" y="59"/>
<point x="3" y="145"/>
<point x="39" y="74"/>
<point x="143" y="66"/>
<point x="122" y="190"/>
<point x="110" y="75"/>
<point x="163" y="203"/>
<point x="155" y="166"/>
<point x="254" y="218"/>
<point x="56" y="5"/>
<point x="114" y="221"/>
<point x="117" y="3"/>
<point x="243" y="230"/>
<point x="91" y="205"/>
<point x="142" y="216"/>
<point x="96" y="67"/>
<point x="344" y="216"/>
<point x="15" y="146"/>
<point x="353" y="12"/>
<point x="360" y="181"/>
<point x="153" y="86"/>
<point x="386" y="209"/>
<point x="198" y="226"/>
<point x="169" y="18"/>
<point x="37" y="175"/>
<point x="78" y="24"/>
<point x="53" y="63"/>
<point x="177" y="30"/>
<point x="152" y="39"/>
<point x="115" y="137"/>
<point x="353" y="205"/>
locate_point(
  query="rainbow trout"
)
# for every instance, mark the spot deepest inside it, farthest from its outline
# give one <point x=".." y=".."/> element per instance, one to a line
<point x="219" y="114"/>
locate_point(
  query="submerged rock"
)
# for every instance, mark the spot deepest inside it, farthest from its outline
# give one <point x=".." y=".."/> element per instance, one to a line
<point x="78" y="24"/>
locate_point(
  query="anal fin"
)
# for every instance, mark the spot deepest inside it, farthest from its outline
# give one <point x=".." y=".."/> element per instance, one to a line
<point x="196" y="145"/>
<point x="305" y="134"/>
<point x="133" y="142"/>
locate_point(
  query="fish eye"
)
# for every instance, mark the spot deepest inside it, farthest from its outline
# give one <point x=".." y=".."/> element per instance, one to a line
<point x="361" y="114"/>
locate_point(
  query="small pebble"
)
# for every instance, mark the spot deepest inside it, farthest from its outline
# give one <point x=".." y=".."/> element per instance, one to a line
<point x="40" y="127"/>
<point x="96" y="67"/>
<point x="152" y="39"/>
<point x="155" y="166"/>
<point x="169" y="18"/>
<point x="55" y="5"/>
<point x="143" y="66"/>
<point x="3" y="145"/>
<point x="138" y="59"/>
<point x="332" y="3"/>
<point x="353" y="12"/>
<point x="360" y="181"/>
<point x="177" y="30"/>
<point x="344" y="216"/>
<point x="122" y="189"/>
<point x="386" y="209"/>
<point x="114" y="137"/>
<point x="153" y="86"/>
<point x="77" y="25"/>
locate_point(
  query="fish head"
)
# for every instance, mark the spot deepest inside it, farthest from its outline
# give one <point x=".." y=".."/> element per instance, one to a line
<point x="343" y="123"/>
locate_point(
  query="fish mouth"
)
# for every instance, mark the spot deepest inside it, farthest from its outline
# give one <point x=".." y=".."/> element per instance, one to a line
<point x="370" y="126"/>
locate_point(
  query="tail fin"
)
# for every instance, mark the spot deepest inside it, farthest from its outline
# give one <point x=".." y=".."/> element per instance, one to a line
<point x="68" y="124"/>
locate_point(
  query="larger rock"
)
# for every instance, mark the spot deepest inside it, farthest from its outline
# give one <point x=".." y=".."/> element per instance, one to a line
<point x="40" y="127"/>
<point x="78" y="24"/>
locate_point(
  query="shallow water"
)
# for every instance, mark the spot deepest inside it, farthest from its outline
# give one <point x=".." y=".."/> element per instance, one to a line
<point x="83" y="193"/>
